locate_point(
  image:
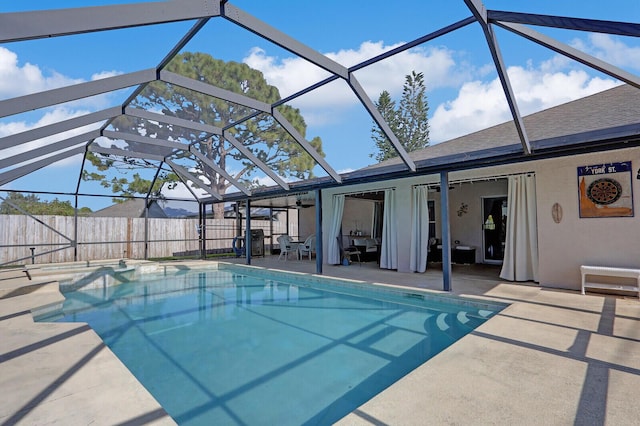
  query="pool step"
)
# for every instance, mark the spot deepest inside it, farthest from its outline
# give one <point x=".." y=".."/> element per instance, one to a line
<point x="461" y="319"/>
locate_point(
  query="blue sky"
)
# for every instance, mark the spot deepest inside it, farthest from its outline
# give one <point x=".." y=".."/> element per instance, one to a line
<point x="463" y="91"/>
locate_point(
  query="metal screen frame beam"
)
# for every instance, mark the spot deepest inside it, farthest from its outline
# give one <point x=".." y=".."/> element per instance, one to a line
<point x="267" y="32"/>
<point x="48" y="149"/>
<point x="145" y="140"/>
<point x="194" y="179"/>
<point x="174" y="145"/>
<point x="58" y="127"/>
<point x="168" y="119"/>
<point x="578" y="24"/>
<point x="380" y="121"/>
<point x="219" y="170"/>
<point x="16" y="173"/>
<point x="207" y="128"/>
<point x="478" y="10"/>
<point x="572" y="53"/>
<point x="251" y="157"/>
<point x="211" y="90"/>
<point x="305" y="145"/>
<point x="74" y="92"/>
<point x="17" y="26"/>
<point x="226" y="95"/>
<point x="121" y="152"/>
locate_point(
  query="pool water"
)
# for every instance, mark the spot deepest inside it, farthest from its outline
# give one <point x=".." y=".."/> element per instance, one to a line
<point x="220" y="347"/>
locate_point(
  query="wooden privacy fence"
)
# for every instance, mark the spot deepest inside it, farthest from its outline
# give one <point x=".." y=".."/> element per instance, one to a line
<point x="50" y="238"/>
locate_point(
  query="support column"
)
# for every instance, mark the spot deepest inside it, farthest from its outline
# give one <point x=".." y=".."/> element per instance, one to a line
<point x="445" y="231"/>
<point x="146" y="228"/>
<point x="236" y="207"/>
<point x="318" y="232"/>
<point x="203" y="230"/>
<point x="247" y="237"/>
<point x="270" y="231"/>
<point x="75" y="230"/>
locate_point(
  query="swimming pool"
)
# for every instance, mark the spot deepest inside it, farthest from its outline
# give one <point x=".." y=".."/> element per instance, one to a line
<point x="229" y="347"/>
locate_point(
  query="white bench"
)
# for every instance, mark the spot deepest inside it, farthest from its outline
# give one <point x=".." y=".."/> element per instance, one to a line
<point x="610" y="272"/>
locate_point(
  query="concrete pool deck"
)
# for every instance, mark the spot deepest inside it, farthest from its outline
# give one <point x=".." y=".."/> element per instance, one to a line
<point x="552" y="357"/>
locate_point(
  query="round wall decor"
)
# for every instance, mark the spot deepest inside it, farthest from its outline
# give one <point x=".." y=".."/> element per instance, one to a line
<point x="556" y="212"/>
<point x="604" y="191"/>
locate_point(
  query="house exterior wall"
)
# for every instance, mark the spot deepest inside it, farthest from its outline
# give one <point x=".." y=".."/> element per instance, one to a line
<point x="307" y="222"/>
<point x="357" y="216"/>
<point x="562" y="247"/>
<point x="575" y="241"/>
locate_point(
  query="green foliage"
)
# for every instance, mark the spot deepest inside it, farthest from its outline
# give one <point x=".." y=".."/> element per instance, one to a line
<point x="262" y="134"/>
<point x="387" y="108"/>
<point x="122" y="185"/>
<point x="32" y="204"/>
<point x="409" y="121"/>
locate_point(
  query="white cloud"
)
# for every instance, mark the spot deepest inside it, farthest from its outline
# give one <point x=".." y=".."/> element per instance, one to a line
<point x="105" y="74"/>
<point x="17" y="80"/>
<point x="479" y="105"/>
<point x="555" y="81"/>
<point x="610" y="49"/>
<point x="21" y="79"/>
<point x="291" y="75"/>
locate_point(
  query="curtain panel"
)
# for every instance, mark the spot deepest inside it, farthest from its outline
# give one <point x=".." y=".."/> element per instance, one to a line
<point x="389" y="249"/>
<point x="335" y="227"/>
<point x="419" y="229"/>
<point x="521" y="245"/>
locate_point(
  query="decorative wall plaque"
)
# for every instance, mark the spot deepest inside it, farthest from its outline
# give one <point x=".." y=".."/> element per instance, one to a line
<point x="556" y="212"/>
<point x="605" y="190"/>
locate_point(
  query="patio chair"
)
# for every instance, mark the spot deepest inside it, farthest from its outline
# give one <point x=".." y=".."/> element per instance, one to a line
<point x="347" y="252"/>
<point x="309" y="246"/>
<point x="286" y="246"/>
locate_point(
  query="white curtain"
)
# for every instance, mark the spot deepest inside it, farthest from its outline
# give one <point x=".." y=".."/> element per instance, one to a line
<point x="521" y="245"/>
<point x="333" y="251"/>
<point x="419" y="230"/>
<point x="389" y="249"/>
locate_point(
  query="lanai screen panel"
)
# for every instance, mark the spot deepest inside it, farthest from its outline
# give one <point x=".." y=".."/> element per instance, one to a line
<point x="330" y="44"/>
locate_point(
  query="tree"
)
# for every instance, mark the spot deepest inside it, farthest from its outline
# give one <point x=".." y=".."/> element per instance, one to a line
<point x="262" y="135"/>
<point x="33" y="205"/>
<point x="387" y="108"/>
<point x="409" y="121"/>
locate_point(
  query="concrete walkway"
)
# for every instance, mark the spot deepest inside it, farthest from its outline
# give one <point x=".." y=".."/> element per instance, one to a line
<point x="61" y="373"/>
<point x="553" y="357"/>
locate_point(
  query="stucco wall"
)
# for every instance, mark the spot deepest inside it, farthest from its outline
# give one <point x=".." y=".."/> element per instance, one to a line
<point x="307" y="222"/>
<point x="357" y="216"/>
<point x="564" y="246"/>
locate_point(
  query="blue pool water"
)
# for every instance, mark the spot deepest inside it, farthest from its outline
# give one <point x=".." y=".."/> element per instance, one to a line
<point x="220" y="347"/>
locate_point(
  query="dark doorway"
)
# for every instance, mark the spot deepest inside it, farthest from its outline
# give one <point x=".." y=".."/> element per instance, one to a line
<point x="494" y="213"/>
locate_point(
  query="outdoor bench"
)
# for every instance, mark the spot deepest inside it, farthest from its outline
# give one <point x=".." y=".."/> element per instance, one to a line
<point x="589" y="280"/>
